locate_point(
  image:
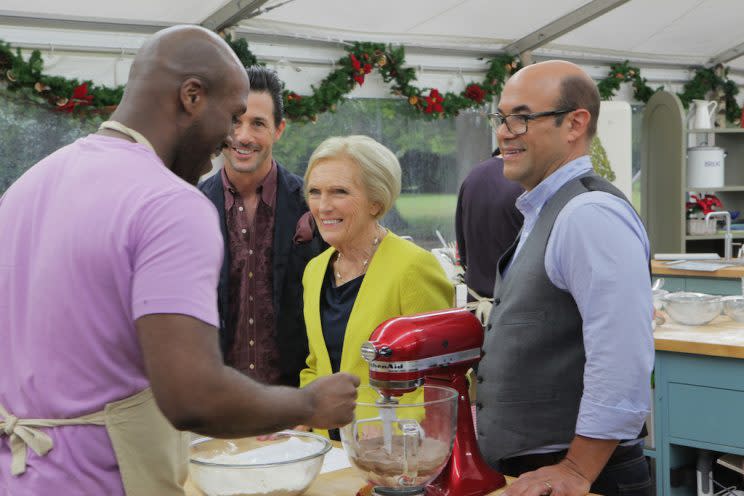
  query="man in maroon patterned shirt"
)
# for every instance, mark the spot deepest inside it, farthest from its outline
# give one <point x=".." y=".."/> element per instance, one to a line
<point x="267" y="245"/>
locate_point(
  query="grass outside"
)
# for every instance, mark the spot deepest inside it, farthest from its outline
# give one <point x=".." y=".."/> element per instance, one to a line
<point x="425" y="213"/>
<point x="636" y="200"/>
<point x="413" y="207"/>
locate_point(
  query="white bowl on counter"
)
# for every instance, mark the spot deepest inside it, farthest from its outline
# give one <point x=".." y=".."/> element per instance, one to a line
<point x="733" y="306"/>
<point x="284" y="465"/>
<point x="692" y="309"/>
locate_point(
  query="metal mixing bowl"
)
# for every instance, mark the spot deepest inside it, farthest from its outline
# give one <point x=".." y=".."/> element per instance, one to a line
<point x="692" y="308"/>
<point x="285" y="465"/>
<point x="733" y="306"/>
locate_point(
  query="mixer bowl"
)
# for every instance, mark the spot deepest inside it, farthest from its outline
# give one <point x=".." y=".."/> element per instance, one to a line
<point x="733" y="306"/>
<point x="284" y="465"/>
<point x="692" y="308"/>
<point x="402" y="445"/>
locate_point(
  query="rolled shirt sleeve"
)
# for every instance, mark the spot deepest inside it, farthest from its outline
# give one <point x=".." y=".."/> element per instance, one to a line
<point x="598" y="251"/>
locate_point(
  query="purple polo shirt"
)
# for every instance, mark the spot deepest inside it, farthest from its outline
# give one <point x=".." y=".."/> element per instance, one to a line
<point x="92" y="237"/>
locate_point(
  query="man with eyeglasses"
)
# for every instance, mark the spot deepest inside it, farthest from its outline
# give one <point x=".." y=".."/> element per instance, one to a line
<point x="564" y="384"/>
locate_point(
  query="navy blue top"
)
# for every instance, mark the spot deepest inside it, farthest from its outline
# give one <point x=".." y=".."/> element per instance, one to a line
<point x="336" y="303"/>
<point x="486" y="222"/>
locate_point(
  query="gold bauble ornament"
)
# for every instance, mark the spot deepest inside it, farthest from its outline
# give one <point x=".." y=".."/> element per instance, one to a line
<point x="413" y="100"/>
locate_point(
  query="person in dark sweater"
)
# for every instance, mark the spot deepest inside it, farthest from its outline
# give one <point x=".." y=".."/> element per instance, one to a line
<point x="486" y="222"/>
<point x="268" y="242"/>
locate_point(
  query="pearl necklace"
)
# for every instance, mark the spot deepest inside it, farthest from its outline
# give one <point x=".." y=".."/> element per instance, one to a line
<point x="365" y="262"/>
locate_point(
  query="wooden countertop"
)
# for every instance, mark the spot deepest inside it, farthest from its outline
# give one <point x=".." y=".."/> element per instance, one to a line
<point x="723" y="337"/>
<point x="660" y="268"/>
<point x="345" y="482"/>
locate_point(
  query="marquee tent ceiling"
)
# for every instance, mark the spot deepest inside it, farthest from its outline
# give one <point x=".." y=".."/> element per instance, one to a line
<point x="661" y="33"/>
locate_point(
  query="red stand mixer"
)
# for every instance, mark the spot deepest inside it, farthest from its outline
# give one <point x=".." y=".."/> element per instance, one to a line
<point x="436" y="348"/>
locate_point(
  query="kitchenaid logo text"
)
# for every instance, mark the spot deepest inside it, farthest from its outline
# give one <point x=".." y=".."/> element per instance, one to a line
<point x="426" y="363"/>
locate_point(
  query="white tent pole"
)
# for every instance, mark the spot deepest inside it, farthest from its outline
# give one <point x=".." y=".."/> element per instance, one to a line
<point x="728" y="55"/>
<point x="233" y="12"/>
<point x="562" y="25"/>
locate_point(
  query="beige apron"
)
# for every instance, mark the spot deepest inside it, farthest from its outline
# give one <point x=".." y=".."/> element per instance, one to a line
<point x="151" y="454"/>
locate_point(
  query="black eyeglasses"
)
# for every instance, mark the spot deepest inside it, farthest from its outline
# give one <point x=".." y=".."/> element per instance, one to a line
<point x="517" y="123"/>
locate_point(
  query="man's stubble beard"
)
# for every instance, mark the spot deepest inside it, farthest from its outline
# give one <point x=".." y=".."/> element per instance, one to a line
<point x="190" y="159"/>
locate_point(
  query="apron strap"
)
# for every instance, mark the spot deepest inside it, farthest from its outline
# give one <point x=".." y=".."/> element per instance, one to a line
<point x="23" y="434"/>
<point x="128" y="131"/>
<point x="481" y="306"/>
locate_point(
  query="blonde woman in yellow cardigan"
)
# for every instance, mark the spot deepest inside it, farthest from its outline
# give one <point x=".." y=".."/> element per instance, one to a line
<point x="368" y="274"/>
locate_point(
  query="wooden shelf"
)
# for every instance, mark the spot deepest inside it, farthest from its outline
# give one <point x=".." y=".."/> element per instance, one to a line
<point x="718" y="130"/>
<point x="713" y="190"/>
<point x="734" y="234"/>
<point x="664" y="183"/>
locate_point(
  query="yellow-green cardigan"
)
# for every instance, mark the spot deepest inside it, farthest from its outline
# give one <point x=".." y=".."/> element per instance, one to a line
<point x="402" y="279"/>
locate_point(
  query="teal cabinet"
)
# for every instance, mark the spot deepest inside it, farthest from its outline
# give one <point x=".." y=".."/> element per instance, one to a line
<point x="699" y="403"/>
<point x="702" y="285"/>
<point x="698" y="400"/>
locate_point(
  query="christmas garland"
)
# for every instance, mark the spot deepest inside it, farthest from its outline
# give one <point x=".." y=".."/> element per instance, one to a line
<point x="706" y="83"/>
<point x="713" y="80"/>
<point x="624" y="73"/>
<point x="27" y="79"/>
<point x="388" y="61"/>
<point x="67" y="95"/>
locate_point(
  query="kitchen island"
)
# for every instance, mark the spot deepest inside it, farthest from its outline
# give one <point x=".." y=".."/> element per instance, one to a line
<point x="699" y="375"/>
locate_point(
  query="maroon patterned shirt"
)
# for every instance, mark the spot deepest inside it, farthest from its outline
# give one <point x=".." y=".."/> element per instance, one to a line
<point x="250" y="307"/>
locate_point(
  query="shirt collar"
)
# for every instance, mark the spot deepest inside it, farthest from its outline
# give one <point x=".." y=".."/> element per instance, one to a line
<point x="229" y="190"/>
<point x="531" y="202"/>
<point x="266" y="188"/>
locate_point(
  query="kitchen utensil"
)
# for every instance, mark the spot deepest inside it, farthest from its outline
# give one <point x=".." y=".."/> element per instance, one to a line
<point x="705" y="167"/>
<point x="286" y="464"/>
<point x="433" y="349"/>
<point x="692" y="308"/>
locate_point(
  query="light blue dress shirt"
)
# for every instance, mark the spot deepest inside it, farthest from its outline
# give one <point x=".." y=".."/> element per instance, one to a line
<point x="598" y="251"/>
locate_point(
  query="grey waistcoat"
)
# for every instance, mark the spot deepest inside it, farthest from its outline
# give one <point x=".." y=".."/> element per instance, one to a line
<point x="531" y="376"/>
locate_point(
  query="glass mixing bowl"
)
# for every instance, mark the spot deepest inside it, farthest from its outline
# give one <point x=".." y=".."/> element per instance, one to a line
<point x="692" y="308"/>
<point x="733" y="306"/>
<point x="402" y="445"/>
<point x="658" y="295"/>
<point x="284" y="465"/>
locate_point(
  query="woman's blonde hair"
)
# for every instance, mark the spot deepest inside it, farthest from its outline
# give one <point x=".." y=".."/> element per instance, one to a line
<point x="381" y="175"/>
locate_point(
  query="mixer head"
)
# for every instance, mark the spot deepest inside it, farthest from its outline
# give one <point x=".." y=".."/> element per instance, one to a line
<point x="402" y="351"/>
